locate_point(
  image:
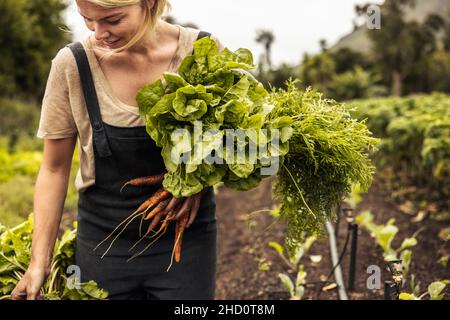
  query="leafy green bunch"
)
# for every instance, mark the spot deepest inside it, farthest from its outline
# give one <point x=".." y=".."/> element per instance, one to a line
<point x="15" y="255"/>
<point x="212" y="94"/>
<point x="317" y="150"/>
<point x="328" y="154"/>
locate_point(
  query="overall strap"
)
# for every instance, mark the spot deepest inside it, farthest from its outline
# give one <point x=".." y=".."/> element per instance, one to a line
<point x="100" y="138"/>
<point x="203" y="34"/>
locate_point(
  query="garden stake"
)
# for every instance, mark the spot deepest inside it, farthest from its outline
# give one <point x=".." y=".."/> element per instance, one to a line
<point x="353" y="228"/>
<point x="391" y="291"/>
<point x="353" y="231"/>
<point x="392" y="288"/>
<point x="396" y="269"/>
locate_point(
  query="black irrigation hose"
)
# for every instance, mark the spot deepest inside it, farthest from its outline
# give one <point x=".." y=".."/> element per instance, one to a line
<point x="347" y="239"/>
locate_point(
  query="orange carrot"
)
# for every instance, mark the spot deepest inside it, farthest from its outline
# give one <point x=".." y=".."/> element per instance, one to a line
<point x="154" y="223"/>
<point x="158" y="218"/>
<point x="179" y="237"/>
<point x="145" y="181"/>
<point x="157" y="197"/>
<point x="166" y="222"/>
<point x="161" y="206"/>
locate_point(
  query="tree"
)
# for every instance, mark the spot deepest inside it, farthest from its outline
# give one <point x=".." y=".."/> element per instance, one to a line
<point x="31" y="33"/>
<point x="446" y="40"/>
<point x="277" y="77"/>
<point x="354" y="84"/>
<point x="437" y="72"/>
<point x="346" y="59"/>
<point x="317" y="70"/>
<point x="323" y="45"/>
<point x="400" y="46"/>
<point x="391" y="42"/>
<point x="266" y="38"/>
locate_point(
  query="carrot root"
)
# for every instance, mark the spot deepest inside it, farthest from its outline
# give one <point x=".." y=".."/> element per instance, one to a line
<point x="148" y="246"/>
<point x="132" y="216"/>
<point x="112" y="242"/>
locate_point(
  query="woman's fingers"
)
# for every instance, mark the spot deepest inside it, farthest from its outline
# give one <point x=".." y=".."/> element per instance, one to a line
<point x="178" y="208"/>
<point x="185" y="208"/>
<point x="30" y="285"/>
<point x="19" y="292"/>
<point x="194" y="209"/>
<point x="173" y="203"/>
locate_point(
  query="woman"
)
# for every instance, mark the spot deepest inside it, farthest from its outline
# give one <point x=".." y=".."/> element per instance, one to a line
<point x="90" y="94"/>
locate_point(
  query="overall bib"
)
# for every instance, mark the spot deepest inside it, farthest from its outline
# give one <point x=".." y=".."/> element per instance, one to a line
<point x="122" y="154"/>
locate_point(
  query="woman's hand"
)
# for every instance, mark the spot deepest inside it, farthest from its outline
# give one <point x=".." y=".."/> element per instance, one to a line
<point x="29" y="287"/>
<point x="179" y="208"/>
<point x="164" y="206"/>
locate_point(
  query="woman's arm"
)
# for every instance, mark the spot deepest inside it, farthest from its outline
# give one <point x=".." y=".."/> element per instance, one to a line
<point x="49" y="197"/>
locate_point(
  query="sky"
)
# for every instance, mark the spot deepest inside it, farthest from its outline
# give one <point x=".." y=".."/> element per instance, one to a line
<point x="298" y="25"/>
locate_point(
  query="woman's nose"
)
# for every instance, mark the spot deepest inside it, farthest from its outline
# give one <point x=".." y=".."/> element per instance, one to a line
<point x="100" y="32"/>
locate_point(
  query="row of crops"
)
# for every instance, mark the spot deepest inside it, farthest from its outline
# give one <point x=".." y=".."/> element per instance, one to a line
<point x="18" y="172"/>
<point x="415" y="134"/>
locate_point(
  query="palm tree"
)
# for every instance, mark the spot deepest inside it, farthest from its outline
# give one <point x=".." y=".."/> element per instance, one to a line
<point x="266" y="38"/>
<point x="323" y="45"/>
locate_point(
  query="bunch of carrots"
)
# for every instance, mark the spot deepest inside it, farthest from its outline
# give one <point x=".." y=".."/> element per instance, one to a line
<point x="163" y="208"/>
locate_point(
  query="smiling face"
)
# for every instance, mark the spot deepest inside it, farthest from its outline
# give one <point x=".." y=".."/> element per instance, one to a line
<point x="113" y="27"/>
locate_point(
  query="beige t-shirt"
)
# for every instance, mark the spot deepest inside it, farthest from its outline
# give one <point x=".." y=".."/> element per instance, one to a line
<point x="64" y="113"/>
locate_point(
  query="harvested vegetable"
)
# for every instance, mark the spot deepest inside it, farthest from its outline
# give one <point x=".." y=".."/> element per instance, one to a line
<point x="328" y="153"/>
<point x="15" y="255"/>
<point x="312" y="145"/>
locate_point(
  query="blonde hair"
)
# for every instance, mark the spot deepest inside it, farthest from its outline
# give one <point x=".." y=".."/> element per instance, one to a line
<point x="152" y="14"/>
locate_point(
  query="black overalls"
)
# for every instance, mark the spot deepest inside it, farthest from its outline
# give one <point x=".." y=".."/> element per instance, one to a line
<point x="121" y="154"/>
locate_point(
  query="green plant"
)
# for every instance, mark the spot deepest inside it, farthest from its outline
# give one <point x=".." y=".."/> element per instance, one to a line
<point x="443" y="260"/>
<point x="415" y="133"/>
<point x="217" y="91"/>
<point x="328" y="154"/>
<point x="296" y="288"/>
<point x="15" y="254"/>
<point x="18" y="173"/>
<point x="354" y="197"/>
<point x="435" y="292"/>
<point x="384" y="235"/>
<point x="354" y="84"/>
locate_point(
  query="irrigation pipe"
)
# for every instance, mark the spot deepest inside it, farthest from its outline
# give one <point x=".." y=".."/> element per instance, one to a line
<point x="335" y="262"/>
